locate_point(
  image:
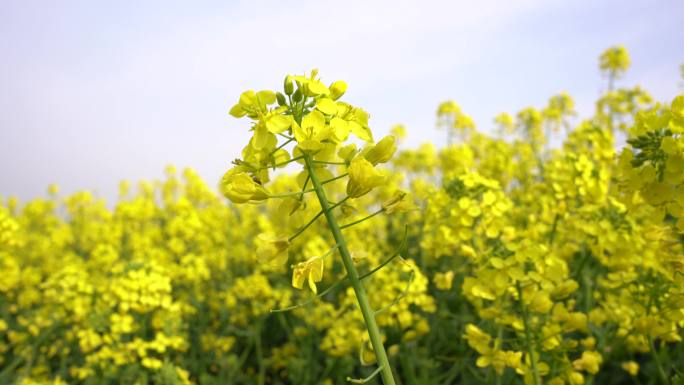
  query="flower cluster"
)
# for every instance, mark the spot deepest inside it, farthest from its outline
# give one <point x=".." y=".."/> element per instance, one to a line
<point x="497" y="259"/>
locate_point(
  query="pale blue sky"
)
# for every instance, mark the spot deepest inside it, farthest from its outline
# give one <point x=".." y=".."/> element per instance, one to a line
<point x="91" y="93"/>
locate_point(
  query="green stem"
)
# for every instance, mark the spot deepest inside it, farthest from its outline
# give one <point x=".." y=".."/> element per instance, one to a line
<point x="497" y="345"/>
<point x="326" y="162"/>
<point x="284" y="163"/>
<point x="244" y="356"/>
<point x="290" y="194"/>
<point x="306" y="226"/>
<point x="282" y="145"/>
<point x="528" y="336"/>
<point x="353" y="275"/>
<point x="388" y="260"/>
<point x="585" y="256"/>
<point x="407" y="368"/>
<point x="552" y="235"/>
<point x="286" y="137"/>
<point x="19" y="360"/>
<point x="364" y="380"/>
<point x="334" y="285"/>
<point x="312" y="299"/>
<point x="362" y="219"/>
<point x="659" y="364"/>
<point x="306" y="182"/>
<point x="259" y="354"/>
<point x="401" y="295"/>
<point x="334" y="178"/>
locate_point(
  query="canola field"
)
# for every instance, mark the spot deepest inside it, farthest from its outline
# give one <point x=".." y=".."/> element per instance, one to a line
<point x="497" y="259"/>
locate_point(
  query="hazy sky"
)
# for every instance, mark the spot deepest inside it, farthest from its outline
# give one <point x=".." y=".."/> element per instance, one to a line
<point x="95" y="92"/>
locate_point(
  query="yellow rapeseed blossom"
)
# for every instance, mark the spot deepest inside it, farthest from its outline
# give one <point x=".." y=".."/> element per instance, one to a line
<point x="363" y="177"/>
<point x="382" y="151"/>
<point x="515" y="258"/>
<point x="589" y="362"/>
<point x="310" y="270"/>
<point x="272" y="249"/>
<point x="239" y="187"/>
<point x="630" y="367"/>
<point x="443" y="281"/>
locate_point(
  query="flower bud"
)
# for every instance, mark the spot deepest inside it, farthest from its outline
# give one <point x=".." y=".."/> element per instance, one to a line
<point x="337" y="89"/>
<point x="288" y="87"/>
<point x="363" y="177"/>
<point x="297" y="96"/>
<point x="382" y="151"/>
<point x="367" y="355"/>
<point x="347" y="152"/>
<point x="399" y="202"/>
<point x="280" y="98"/>
<point x="239" y="187"/>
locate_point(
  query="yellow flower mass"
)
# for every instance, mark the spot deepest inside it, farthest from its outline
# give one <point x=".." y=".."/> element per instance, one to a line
<point x="551" y="252"/>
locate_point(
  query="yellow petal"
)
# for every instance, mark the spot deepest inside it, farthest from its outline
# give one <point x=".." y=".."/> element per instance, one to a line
<point x="266" y="97"/>
<point x="317" y="88"/>
<point x="340" y="129"/>
<point x="326" y="106"/>
<point x="360" y="131"/>
<point x="278" y="123"/>
<point x="237" y="111"/>
<point x="338" y="89"/>
<point x="261" y="138"/>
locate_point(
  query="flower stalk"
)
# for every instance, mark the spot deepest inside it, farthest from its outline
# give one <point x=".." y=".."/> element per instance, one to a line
<point x="528" y="336"/>
<point x="353" y="276"/>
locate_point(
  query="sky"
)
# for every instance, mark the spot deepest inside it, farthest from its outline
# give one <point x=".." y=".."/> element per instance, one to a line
<point x="92" y="93"/>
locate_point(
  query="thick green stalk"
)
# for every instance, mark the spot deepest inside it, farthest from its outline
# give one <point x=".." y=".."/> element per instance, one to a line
<point x="528" y="337"/>
<point x="353" y="275"/>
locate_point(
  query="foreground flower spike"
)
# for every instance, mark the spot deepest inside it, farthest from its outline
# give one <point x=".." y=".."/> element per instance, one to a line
<point x="310" y="117"/>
